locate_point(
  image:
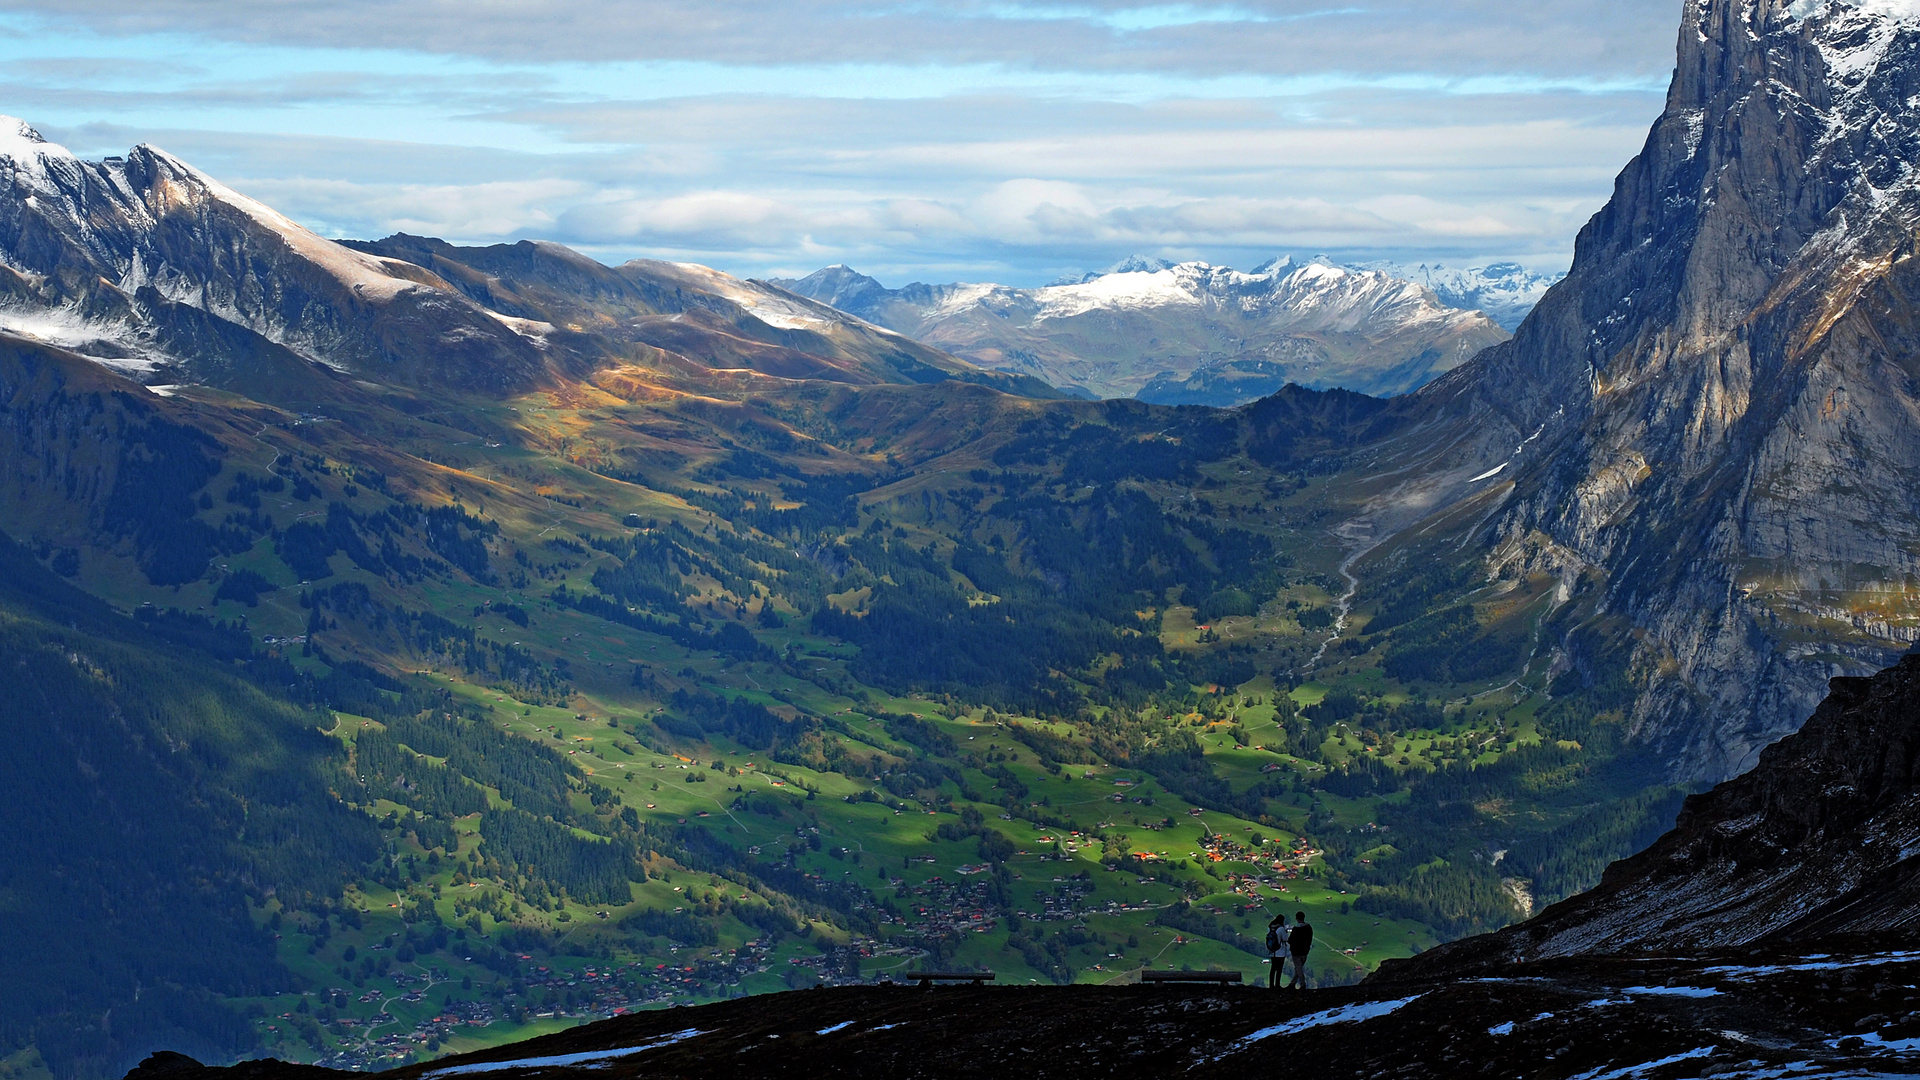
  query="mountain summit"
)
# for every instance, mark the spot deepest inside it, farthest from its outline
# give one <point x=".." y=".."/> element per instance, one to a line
<point x="148" y="265"/>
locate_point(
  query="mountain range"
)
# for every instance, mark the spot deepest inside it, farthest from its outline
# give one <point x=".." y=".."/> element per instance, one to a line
<point x="164" y="274"/>
<point x="1190" y="333"/>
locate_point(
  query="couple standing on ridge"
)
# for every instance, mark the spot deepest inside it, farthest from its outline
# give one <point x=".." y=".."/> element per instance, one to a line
<point x="1282" y="942"/>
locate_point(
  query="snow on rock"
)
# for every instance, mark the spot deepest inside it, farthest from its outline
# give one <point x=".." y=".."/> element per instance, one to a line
<point x="127" y="238"/>
<point x="368" y="276"/>
<point x="1340" y="297"/>
<point x="1505" y="291"/>
<point x="764" y="304"/>
<point x="1130" y="289"/>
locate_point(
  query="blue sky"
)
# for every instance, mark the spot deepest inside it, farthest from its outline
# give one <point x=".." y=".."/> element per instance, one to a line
<point x="940" y="141"/>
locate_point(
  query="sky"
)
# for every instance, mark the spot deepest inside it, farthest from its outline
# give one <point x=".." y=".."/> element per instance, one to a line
<point x="965" y="140"/>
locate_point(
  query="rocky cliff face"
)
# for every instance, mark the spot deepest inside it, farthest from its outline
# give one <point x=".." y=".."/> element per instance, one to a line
<point x="1717" y="412"/>
<point x="1813" y="848"/>
<point x="1187" y="333"/>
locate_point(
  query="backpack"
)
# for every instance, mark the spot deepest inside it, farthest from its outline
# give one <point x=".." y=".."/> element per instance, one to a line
<point x="1274" y="941"/>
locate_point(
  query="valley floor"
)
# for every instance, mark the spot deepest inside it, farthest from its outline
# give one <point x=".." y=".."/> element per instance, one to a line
<point x="1817" y="1015"/>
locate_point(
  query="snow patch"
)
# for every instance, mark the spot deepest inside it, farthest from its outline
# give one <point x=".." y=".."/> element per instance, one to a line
<point x="841" y="1026"/>
<point x="105" y="343"/>
<point x="526" y="328"/>
<point x="1673" y="991"/>
<point x="770" y="308"/>
<point x="1501" y="1029"/>
<point x="584" y="1057"/>
<point x="1873" y="1039"/>
<point x="1817" y="962"/>
<point x="1646" y="1066"/>
<point x="1345" y="1014"/>
<point x="1495" y="471"/>
<point x="1136" y="288"/>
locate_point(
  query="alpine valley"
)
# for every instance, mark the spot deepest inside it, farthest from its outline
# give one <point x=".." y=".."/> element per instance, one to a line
<point x="416" y="648"/>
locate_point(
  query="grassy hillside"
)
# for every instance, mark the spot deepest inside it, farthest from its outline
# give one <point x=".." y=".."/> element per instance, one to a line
<point x="443" y="723"/>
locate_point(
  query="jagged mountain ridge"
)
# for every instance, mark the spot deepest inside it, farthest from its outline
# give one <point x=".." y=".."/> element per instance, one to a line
<point x="1187" y="333"/>
<point x="161" y="272"/>
<point x="1505" y="291"/>
<point x="1714" y="415"/>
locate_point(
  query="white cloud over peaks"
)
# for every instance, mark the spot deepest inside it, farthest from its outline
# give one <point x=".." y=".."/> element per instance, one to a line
<point x="1028" y="210"/>
<point x="474" y="211"/>
<point x="982" y="139"/>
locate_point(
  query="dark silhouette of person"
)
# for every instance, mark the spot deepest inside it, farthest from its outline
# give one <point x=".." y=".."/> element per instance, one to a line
<point x="1277" y="948"/>
<point x="1299" y="940"/>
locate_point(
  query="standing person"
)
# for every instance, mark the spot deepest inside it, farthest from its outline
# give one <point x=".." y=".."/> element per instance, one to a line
<point x="1276" y="950"/>
<point x="1299" y="940"/>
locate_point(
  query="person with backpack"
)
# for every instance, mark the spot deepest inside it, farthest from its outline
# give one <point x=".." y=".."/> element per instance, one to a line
<point x="1299" y="940"/>
<point x="1276" y="950"/>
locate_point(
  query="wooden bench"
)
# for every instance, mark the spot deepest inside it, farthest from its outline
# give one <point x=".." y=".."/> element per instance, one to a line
<point x="926" y="979"/>
<point x="1220" y="978"/>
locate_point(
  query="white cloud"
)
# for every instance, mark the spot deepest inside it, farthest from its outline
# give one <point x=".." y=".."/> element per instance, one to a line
<point x="964" y="138"/>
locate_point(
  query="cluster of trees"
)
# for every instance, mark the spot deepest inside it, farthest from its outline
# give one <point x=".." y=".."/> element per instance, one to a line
<point x="129" y="873"/>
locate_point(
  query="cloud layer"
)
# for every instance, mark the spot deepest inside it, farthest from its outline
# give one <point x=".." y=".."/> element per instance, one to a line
<point x="1010" y="141"/>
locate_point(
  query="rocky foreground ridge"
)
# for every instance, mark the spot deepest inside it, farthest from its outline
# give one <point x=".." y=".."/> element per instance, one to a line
<point x="1775" y="931"/>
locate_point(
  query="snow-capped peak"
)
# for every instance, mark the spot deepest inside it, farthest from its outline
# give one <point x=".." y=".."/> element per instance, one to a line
<point x="31" y="155"/>
<point x="1135" y="264"/>
<point x="1896" y="10"/>
<point x="19" y="139"/>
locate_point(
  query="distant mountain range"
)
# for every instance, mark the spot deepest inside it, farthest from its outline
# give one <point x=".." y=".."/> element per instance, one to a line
<point x="1195" y="334"/>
